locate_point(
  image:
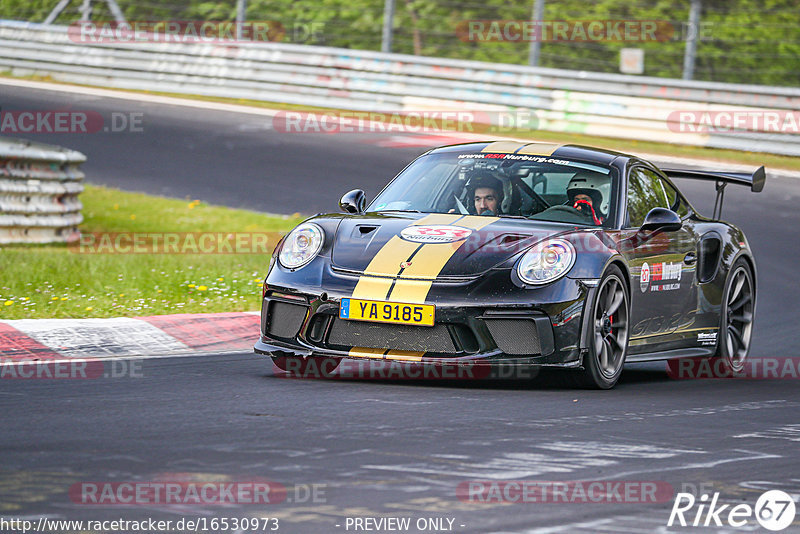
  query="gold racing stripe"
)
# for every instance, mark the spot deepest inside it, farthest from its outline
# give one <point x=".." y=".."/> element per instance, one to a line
<point x="372" y="288"/>
<point x="538" y="149"/>
<point x="361" y="352"/>
<point x="515" y="147"/>
<point x="503" y="147"/>
<point x="404" y="355"/>
<point x="429" y="262"/>
<point x="387" y="261"/>
<point x="437" y="218"/>
<point x="379" y="274"/>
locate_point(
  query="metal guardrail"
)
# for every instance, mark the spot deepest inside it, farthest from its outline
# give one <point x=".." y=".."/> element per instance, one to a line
<point x="39" y="188"/>
<point x="609" y="105"/>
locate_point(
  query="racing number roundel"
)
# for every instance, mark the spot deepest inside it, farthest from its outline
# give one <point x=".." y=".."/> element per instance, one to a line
<point x="435" y="233"/>
<point x="644" y="281"/>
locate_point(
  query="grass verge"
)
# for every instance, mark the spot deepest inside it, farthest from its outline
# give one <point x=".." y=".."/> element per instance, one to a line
<point x="47" y="281"/>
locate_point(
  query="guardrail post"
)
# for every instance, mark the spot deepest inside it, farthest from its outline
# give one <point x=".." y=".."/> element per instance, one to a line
<point x="536" y="43"/>
<point x="241" y="6"/>
<point x="388" y="22"/>
<point x="691" y="40"/>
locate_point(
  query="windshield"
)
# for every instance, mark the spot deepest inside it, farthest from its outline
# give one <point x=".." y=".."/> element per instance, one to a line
<point x="505" y="185"/>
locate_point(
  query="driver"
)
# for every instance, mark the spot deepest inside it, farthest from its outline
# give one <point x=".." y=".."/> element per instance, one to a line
<point x="487" y="195"/>
<point x="586" y="196"/>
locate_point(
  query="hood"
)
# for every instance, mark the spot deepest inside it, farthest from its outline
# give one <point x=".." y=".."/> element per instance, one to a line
<point x="436" y="245"/>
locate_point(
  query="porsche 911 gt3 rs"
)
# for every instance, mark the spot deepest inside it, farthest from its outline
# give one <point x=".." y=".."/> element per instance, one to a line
<point x="522" y="253"/>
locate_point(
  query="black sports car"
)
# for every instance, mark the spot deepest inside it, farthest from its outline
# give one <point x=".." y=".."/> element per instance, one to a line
<point x="533" y="254"/>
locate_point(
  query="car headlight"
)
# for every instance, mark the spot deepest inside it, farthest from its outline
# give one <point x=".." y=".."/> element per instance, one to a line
<point x="546" y="261"/>
<point x="301" y="245"/>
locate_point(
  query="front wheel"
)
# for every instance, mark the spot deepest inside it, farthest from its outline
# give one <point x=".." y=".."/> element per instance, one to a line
<point x="602" y="365"/>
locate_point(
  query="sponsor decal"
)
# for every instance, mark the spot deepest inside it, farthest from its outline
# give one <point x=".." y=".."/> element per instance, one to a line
<point x="666" y="271"/>
<point x="707" y="338"/>
<point x="436" y="233"/>
<point x="405" y="264"/>
<point x="516" y="157"/>
<point x="660" y="272"/>
<point x="644" y="278"/>
<point x="665" y="287"/>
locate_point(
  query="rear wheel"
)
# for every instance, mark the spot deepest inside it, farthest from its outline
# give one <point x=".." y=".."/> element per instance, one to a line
<point x="736" y="317"/>
<point x="310" y="367"/>
<point x="608" y="345"/>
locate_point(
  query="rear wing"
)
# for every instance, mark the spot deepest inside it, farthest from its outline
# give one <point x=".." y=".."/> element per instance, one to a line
<point x="755" y="181"/>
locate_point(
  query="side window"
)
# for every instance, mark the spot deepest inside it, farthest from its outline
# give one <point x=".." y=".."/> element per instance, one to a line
<point x="675" y="200"/>
<point x="645" y="192"/>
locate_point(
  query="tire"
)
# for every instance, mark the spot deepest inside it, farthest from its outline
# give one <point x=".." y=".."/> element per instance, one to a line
<point x="602" y="365"/>
<point x="310" y="367"/>
<point x="736" y="318"/>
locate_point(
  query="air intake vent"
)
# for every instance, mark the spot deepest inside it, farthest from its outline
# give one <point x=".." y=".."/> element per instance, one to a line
<point x="515" y="336"/>
<point x="390" y="336"/>
<point x="285" y="319"/>
<point x="709" y="258"/>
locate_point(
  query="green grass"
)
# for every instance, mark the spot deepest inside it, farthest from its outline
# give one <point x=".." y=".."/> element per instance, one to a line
<point x="61" y="281"/>
<point x="770" y="161"/>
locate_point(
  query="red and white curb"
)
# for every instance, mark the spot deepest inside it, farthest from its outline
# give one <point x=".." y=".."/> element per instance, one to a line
<point x="29" y="340"/>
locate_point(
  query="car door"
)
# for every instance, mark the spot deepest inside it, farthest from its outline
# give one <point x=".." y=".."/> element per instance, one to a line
<point x="663" y="288"/>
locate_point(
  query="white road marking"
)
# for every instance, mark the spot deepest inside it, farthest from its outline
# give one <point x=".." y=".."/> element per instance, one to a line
<point x="615" y="450"/>
<point x="788" y="432"/>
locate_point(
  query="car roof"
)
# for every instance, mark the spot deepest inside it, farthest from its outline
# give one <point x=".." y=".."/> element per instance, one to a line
<point x="579" y="152"/>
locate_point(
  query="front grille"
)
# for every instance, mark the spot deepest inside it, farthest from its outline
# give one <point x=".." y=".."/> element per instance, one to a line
<point x="285" y="319"/>
<point x="390" y="336"/>
<point x="515" y="336"/>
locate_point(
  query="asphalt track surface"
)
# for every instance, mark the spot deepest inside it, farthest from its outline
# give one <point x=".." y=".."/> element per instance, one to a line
<point x="386" y="448"/>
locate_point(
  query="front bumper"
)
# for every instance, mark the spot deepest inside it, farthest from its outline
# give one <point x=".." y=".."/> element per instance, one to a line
<point x="306" y="324"/>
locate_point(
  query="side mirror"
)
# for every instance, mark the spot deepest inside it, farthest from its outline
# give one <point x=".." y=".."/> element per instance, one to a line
<point x="661" y="219"/>
<point x="353" y="201"/>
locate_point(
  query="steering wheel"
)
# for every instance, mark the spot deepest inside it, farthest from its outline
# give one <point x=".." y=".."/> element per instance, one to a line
<point x="567" y="209"/>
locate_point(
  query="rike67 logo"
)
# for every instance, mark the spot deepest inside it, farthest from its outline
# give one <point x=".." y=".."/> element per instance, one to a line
<point x="774" y="510"/>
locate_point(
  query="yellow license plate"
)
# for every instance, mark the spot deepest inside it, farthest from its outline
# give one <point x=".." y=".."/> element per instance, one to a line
<point x="387" y="312"/>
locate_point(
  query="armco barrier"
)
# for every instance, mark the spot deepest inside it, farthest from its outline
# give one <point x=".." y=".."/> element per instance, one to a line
<point x="611" y="105"/>
<point x="39" y="188"/>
